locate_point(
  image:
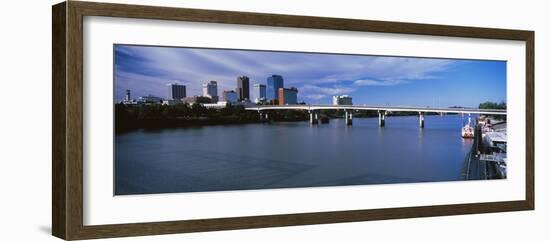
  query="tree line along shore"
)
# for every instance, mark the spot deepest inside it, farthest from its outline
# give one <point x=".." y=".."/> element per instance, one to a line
<point x="130" y="117"/>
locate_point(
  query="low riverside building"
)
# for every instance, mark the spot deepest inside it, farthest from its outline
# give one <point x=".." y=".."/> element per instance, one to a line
<point x="149" y="99"/>
<point x="288" y="96"/>
<point x="171" y="102"/>
<point x="197" y="99"/>
<point x="495" y="141"/>
<point x="218" y="105"/>
<point x="495" y="154"/>
<point x="341" y="100"/>
<point x="230" y="96"/>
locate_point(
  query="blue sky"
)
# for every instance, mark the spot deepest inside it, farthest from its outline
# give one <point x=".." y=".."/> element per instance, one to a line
<point x="371" y="80"/>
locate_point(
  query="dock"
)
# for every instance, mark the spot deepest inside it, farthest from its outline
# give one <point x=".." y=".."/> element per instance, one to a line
<point x="487" y="157"/>
<point x="475" y="167"/>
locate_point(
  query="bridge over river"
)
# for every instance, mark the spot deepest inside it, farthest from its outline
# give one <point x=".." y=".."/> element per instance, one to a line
<point x="314" y="111"/>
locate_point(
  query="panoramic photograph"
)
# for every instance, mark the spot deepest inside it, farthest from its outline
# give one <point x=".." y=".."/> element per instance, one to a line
<point x="190" y="119"/>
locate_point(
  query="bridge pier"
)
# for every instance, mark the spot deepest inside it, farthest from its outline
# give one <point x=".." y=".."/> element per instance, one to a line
<point x="349" y="117"/>
<point x="421" y="119"/>
<point x="314" y="111"/>
<point x="313" y="117"/>
<point x="381" y="118"/>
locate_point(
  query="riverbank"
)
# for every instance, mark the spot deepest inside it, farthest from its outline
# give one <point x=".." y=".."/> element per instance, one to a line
<point x="131" y="117"/>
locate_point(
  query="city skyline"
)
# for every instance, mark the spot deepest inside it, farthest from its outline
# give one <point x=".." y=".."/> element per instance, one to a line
<point x="378" y="80"/>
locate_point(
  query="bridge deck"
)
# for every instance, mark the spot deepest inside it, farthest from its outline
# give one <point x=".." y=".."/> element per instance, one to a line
<point x="377" y="108"/>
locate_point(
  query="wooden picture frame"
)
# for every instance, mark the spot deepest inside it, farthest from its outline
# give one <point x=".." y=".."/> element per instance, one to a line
<point x="67" y="152"/>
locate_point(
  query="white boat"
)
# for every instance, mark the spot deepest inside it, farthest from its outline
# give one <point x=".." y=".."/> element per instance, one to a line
<point x="468" y="130"/>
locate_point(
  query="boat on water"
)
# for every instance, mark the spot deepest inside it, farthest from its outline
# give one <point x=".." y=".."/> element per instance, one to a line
<point x="468" y="130"/>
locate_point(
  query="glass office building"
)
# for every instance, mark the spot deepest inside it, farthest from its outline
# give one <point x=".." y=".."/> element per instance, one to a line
<point x="274" y="83"/>
<point x="176" y="91"/>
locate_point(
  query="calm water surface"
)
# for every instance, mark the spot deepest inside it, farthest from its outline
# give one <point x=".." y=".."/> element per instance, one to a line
<point x="286" y="155"/>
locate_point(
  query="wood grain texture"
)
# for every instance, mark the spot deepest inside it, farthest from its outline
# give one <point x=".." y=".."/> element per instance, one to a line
<point x="67" y="78"/>
<point x="74" y="121"/>
<point x="155" y="228"/>
<point x="59" y="191"/>
<point x="530" y="120"/>
<point x="280" y="20"/>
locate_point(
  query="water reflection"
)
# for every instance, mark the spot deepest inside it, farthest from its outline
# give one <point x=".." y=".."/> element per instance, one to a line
<point x="292" y="154"/>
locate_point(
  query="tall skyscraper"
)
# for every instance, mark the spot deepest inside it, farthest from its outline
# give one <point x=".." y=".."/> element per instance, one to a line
<point x="288" y="96"/>
<point x="210" y="90"/>
<point x="274" y="83"/>
<point x="176" y="91"/>
<point x="243" y="88"/>
<point x="258" y="91"/>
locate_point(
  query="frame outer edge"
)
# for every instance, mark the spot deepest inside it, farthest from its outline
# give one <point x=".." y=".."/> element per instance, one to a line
<point x="59" y="182"/>
<point x="74" y="115"/>
<point x="67" y="193"/>
<point x="530" y="120"/>
<point x="293" y="21"/>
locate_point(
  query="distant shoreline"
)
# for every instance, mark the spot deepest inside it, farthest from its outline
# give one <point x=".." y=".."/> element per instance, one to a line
<point x="132" y="117"/>
<point x="128" y="118"/>
<point x="159" y="124"/>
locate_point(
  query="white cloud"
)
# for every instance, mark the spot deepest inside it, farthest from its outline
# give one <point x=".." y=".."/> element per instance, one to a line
<point x="316" y="93"/>
<point x="311" y="73"/>
<point x="370" y="82"/>
<point x="316" y="96"/>
<point x="335" y="90"/>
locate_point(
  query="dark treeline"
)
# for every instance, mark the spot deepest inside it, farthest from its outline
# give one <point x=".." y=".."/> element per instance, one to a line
<point x="492" y="105"/>
<point x="128" y="117"/>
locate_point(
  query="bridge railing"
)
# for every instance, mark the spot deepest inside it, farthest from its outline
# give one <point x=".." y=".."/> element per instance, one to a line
<point x="378" y="108"/>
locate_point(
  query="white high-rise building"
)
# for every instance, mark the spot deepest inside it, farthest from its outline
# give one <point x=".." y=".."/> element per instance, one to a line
<point x="259" y="93"/>
<point x="341" y="100"/>
<point x="210" y="90"/>
<point x="127" y="97"/>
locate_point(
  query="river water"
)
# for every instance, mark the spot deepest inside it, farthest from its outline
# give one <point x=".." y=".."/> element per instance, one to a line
<point x="290" y="154"/>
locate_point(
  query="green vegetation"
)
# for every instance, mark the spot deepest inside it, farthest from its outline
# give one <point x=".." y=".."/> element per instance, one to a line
<point x="128" y="117"/>
<point x="492" y="105"/>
